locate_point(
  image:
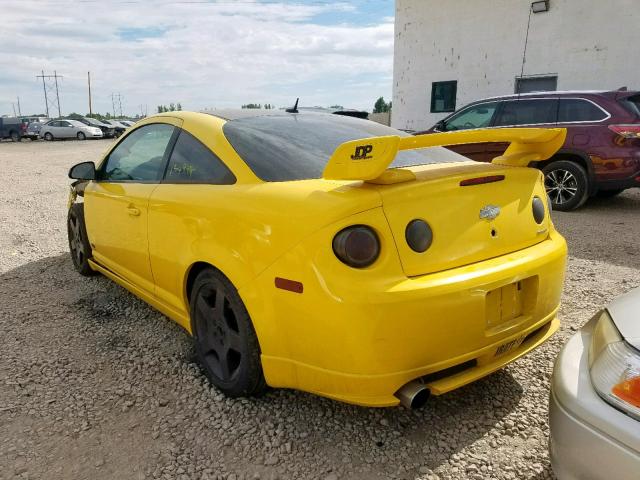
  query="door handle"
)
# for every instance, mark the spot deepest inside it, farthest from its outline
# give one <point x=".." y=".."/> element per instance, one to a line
<point x="133" y="211"/>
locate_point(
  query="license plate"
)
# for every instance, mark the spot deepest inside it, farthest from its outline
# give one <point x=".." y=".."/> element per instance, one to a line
<point x="507" y="347"/>
<point x="504" y="303"/>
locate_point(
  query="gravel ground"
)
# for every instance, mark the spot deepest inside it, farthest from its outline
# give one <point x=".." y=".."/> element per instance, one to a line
<point x="95" y="384"/>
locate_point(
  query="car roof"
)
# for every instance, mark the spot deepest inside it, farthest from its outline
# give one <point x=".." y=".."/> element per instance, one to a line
<point x="237" y="113"/>
<point x="561" y="93"/>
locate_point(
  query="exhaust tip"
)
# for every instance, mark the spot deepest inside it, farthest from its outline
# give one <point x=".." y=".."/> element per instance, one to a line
<point x="413" y="395"/>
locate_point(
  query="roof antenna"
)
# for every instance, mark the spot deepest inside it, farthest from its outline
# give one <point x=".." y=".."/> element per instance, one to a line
<point x="293" y="109"/>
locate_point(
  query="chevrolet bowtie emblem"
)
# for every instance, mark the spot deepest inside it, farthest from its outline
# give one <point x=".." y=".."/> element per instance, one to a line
<point x="489" y="212"/>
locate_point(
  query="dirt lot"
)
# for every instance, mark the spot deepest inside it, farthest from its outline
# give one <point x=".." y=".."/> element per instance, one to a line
<point x="94" y="384"/>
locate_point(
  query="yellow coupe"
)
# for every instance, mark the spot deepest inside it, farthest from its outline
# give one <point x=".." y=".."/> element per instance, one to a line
<point x="326" y="253"/>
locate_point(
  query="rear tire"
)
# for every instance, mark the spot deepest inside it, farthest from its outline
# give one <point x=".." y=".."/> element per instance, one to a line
<point x="225" y="341"/>
<point x="567" y="185"/>
<point x="609" y="193"/>
<point x="81" y="136"/>
<point x="79" y="246"/>
<point x="48" y="137"/>
<point x="14" y="136"/>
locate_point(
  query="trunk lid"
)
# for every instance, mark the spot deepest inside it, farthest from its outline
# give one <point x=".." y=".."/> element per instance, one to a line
<point x="460" y="235"/>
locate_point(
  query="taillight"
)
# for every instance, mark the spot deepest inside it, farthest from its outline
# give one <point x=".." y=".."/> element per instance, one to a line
<point x="537" y="207"/>
<point x="480" y="180"/>
<point x="418" y="235"/>
<point x="626" y="131"/>
<point x="357" y="246"/>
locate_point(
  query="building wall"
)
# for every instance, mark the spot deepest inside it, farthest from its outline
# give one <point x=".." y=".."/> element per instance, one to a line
<point x="589" y="44"/>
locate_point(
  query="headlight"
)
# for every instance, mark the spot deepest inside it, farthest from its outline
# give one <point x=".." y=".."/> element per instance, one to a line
<point x="615" y="367"/>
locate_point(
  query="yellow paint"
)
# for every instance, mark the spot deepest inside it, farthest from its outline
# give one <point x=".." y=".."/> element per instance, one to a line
<point x="356" y="335"/>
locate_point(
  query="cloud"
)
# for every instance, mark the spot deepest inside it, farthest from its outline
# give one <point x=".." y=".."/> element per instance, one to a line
<point x="209" y="54"/>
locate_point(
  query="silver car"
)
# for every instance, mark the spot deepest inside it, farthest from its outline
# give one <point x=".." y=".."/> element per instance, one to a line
<point x="594" y="407"/>
<point x="68" y="129"/>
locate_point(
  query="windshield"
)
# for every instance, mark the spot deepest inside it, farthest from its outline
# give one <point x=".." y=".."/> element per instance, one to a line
<point x="297" y="147"/>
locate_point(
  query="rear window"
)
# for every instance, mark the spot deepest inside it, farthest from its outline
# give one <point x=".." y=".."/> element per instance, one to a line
<point x="297" y="147"/>
<point x="632" y="104"/>
<point x="576" y="110"/>
<point x="527" y="112"/>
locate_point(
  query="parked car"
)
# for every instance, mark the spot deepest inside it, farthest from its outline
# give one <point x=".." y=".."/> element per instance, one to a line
<point x="12" y="127"/>
<point x="117" y="126"/>
<point x="108" y="131"/>
<point x="594" y="406"/>
<point x="34" y="125"/>
<point x="601" y="155"/>
<point x="57" y="129"/>
<point x="296" y="258"/>
<point x="127" y="123"/>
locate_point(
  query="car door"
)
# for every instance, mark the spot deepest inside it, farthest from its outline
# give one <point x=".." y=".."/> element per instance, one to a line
<point x="65" y="130"/>
<point x="116" y="204"/>
<point x="183" y="213"/>
<point x="534" y="112"/>
<point x="476" y="116"/>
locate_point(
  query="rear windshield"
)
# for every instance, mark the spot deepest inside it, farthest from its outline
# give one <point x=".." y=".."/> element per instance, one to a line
<point x="632" y="104"/>
<point x="297" y="147"/>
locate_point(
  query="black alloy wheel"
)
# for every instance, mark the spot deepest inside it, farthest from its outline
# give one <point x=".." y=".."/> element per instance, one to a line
<point x="79" y="245"/>
<point x="566" y="184"/>
<point x="226" y="343"/>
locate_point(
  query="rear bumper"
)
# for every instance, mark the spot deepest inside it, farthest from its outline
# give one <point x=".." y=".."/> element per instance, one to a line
<point x="589" y="439"/>
<point x="360" y="343"/>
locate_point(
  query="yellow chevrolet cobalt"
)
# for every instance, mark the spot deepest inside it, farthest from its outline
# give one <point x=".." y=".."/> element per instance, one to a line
<point x="327" y="253"/>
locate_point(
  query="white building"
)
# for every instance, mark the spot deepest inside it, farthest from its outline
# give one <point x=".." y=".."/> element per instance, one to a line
<point x="451" y="52"/>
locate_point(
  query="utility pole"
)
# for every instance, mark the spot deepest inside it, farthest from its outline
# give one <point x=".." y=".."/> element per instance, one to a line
<point x="19" y="111"/>
<point x="14" y="109"/>
<point x="113" y="104"/>
<point x="120" y="103"/>
<point x="89" y="81"/>
<point x="53" y="103"/>
<point x="55" y="76"/>
<point x="44" y="88"/>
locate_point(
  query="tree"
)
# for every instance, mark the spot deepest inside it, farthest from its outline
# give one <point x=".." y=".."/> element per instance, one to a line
<point x="337" y="107"/>
<point x="381" y="106"/>
<point x="160" y="109"/>
<point x="179" y="106"/>
<point x="172" y="107"/>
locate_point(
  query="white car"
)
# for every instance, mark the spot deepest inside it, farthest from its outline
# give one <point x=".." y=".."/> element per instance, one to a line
<point x="594" y="407"/>
<point x="68" y="129"/>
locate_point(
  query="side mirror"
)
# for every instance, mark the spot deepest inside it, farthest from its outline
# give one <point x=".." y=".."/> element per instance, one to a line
<point x="441" y="126"/>
<point x="83" y="171"/>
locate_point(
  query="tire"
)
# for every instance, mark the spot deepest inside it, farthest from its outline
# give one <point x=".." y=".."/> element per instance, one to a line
<point x="226" y="343"/>
<point x="609" y="193"/>
<point x="79" y="246"/>
<point x="567" y="185"/>
<point x="14" y="136"/>
<point x="81" y="136"/>
<point x="48" y="137"/>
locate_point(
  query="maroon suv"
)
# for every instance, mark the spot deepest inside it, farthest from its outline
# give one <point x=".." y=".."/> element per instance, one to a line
<point x="601" y="155"/>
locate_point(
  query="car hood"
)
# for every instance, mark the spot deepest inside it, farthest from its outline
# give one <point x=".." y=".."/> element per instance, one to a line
<point x="625" y="312"/>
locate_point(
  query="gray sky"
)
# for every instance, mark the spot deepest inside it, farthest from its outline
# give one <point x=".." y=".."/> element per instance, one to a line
<point x="202" y="54"/>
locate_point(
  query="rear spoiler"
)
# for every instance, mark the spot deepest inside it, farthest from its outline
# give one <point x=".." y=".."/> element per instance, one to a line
<point x="368" y="158"/>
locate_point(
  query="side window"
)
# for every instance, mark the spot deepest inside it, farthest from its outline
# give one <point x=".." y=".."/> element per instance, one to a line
<point x="140" y="156"/>
<point x="576" y="110"/>
<point x="527" y="112"/>
<point x="478" y="116"/>
<point x="64" y="124"/>
<point x="443" y="96"/>
<point x="193" y="162"/>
